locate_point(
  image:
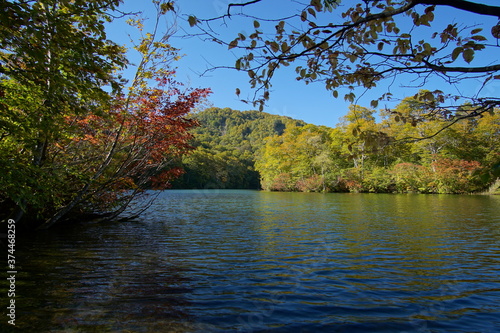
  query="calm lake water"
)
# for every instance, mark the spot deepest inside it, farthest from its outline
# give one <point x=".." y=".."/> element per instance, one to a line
<point x="248" y="261"/>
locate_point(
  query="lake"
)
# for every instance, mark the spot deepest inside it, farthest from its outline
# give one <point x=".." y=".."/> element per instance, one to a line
<point x="250" y="261"/>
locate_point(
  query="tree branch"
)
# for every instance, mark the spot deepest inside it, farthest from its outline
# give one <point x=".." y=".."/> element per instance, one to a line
<point x="478" y="112"/>
<point x="239" y="5"/>
<point x="444" y="69"/>
<point x="466" y="5"/>
<point x="469" y="6"/>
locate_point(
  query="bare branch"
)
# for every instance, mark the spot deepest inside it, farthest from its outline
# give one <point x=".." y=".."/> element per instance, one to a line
<point x="239" y="5"/>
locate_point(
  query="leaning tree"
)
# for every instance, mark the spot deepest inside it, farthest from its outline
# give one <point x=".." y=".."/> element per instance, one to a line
<point x="77" y="142"/>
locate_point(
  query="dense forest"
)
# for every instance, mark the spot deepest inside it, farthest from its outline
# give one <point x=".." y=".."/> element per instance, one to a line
<point x="384" y="152"/>
<point x="226" y="145"/>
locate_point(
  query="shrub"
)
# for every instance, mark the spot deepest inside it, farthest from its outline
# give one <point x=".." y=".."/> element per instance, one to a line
<point x="281" y="182"/>
<point x="310" y="184"/>
<point x="353" y="180"/>
<point x="409" y="177"/>
<point x="378" y="180"/>
<point x="456" y="176"/>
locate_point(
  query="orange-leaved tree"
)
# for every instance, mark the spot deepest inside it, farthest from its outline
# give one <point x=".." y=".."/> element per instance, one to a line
<point x="112" y="158"/>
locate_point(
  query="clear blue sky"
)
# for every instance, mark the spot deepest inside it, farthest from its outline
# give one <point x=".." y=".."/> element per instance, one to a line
<point x="311" y="103"/>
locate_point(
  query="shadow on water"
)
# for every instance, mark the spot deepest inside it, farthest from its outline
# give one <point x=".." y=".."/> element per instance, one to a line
<point x="101" y="278"/>
<point x="248" y="261"/>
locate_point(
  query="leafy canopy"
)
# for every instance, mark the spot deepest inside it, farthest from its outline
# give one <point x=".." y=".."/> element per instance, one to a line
<point x="74" y="144"/>
<point x="360" y="44"/>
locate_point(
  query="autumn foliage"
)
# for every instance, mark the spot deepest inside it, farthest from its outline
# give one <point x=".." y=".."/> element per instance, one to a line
<point x="462" y="159"/>
<point x="145" y="133"/>
<point x="77" y="141"/>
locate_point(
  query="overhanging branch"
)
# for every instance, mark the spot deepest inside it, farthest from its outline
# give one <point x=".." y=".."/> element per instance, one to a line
<point x="444" y="69"/>
<point x="468" y="6"/>
<point x="239" y="5"/>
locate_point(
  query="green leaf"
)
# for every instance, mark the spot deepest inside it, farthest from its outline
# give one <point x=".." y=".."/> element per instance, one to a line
<point x="192" y="20"/>
<point x="430" y="17"/>
<point x="456" y="52"/>
<point x="468" y="55"/>
<point x="324" y="45"/>
<point x="478" y="38"/>
<point x="303" y="16"/>
<point x="233" y="44"/>
<point x="284" y="47"/>
<point x="167" y="6"/>
<point x="274" y="47"/>
<point x="317" y="4"/>
<point x="349" y="97"/>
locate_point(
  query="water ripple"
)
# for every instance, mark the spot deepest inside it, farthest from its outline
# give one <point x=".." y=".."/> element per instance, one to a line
<point x="243" y="261"/>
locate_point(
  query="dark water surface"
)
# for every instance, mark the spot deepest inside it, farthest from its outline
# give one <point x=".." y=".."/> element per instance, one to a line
<point x="247" y="261"/>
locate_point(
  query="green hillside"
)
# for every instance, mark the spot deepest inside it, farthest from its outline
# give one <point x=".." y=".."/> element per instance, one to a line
<point x="254" y="150"/>
<point x="227" y="142"/>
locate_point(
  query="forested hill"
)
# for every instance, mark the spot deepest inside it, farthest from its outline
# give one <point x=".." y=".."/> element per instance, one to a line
<point x="254" y="149"/>
<point x="226" y="144"/>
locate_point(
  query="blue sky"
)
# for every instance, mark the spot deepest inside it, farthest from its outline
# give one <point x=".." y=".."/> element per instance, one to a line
<point x="311" y="103"/>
